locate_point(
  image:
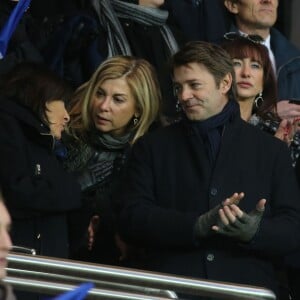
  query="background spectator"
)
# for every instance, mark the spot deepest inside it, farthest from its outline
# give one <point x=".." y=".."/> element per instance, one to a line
<point x="39" y="193"/>
<point x="259" y="17"/>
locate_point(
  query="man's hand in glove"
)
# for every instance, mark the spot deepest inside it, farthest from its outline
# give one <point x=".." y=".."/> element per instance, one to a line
<point x="235" y="223"/>
<point x="203" y="226"/>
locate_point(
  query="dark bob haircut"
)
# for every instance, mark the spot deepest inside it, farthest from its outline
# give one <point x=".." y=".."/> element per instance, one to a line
<point x="33" y="85"/>
<point x="242" y="47"/>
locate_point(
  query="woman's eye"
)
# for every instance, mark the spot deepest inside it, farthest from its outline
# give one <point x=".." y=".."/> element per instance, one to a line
<point x="256" y="65"/>
<point x="236" y="63"/>
<point x="99" y="93"/>
<point x="119" y="100"/>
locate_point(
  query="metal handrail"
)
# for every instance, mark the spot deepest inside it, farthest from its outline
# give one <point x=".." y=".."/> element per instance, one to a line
<point x="23" y="250"/>
<point x="50" y="288"/>
<point x="185" y="285"/>
<point x="58" y="278"/>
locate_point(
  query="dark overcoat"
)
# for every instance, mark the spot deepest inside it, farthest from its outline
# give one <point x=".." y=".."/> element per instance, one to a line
<point x="37" y="190"/>
<point x="170" y="182"/>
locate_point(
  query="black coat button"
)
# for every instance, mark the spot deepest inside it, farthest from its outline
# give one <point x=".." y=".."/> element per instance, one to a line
<point x="213" y="191"/>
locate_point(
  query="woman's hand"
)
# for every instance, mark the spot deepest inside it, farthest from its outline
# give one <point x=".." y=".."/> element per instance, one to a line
<point x="92" y="229"/>
<point x="122" y="246"/>
<point x="288" y="110"/>
<point x="287" y="129"/>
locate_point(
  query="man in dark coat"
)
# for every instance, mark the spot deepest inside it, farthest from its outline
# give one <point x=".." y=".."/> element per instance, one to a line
<point x="201" y="21"/>
<point x="174" y="199"/>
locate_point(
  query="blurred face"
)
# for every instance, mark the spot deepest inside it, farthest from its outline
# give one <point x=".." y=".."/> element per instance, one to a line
<point x="253" y="15"/>
<point x="57" y="116"/>
<point x="113" y="106"/>
<point x="151" y="3"/>
<point x="5" y="241"/>
<point x="249" y="78"/>
<point x="198" y="93"/>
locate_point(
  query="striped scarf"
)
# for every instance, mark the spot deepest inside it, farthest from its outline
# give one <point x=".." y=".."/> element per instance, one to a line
<point x="109" y="11"/>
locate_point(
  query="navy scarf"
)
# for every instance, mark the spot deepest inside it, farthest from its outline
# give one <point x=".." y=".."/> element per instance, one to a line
<point x="211" y="130"/>
<point x="60" y="150"/>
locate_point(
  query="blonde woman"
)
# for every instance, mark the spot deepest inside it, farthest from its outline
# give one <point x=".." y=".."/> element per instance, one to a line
<point x="108" y="114"/>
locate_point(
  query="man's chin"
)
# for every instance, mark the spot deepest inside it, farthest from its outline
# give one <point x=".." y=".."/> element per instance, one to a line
<point x="266" y="23"/>
<point x="194" y="117"/>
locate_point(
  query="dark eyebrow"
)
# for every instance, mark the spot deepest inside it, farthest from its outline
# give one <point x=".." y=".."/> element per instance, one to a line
<point x="99" y="89"/>
<point x="187" y="81"/>
<point x="193" y="80"/>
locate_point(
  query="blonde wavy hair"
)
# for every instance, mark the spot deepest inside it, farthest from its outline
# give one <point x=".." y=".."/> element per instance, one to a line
<point x="142" y="82"/>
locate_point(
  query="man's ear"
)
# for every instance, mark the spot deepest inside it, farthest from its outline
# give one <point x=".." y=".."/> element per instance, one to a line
<point x="226" y="83"/>
<point x="231" y="6"/>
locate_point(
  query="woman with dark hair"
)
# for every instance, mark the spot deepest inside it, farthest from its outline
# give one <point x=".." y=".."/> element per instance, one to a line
<point x="256" y="89"/>
<point x="257" y="96"/>
<point x="38" y="192"/>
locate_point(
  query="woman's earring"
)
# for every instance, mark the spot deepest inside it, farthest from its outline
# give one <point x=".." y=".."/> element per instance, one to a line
<point x="259" y="100"/>
<point x="135" y="120"/>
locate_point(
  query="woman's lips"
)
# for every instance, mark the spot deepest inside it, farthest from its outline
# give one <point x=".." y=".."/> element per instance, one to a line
<point x="244" y="84"/>
<point x="101" y="120"/>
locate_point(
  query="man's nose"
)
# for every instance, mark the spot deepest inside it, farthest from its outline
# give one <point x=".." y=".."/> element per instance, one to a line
<point x="186" y="94"/>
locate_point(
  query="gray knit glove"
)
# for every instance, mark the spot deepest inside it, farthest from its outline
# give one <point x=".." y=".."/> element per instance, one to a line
<point x="244" y="228"/>
<point x="204" y="223"/>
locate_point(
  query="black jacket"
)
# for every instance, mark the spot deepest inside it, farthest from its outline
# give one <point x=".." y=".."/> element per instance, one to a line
<point x="38" y="192"/>
<point x="169" y="183"/>
<point x="207" y="19"/>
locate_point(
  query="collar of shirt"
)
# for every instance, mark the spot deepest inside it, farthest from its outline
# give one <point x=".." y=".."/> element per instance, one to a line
<point x="267" y="43"/>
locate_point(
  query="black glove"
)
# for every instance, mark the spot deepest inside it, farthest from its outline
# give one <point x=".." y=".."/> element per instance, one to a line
<point x="96" y="174"/>
<point x="204" y="223"/>
<point x="244" y="228"/>
<point x="203" y="226"/>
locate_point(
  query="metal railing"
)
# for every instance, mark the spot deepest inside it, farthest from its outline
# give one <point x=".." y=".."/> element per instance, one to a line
<point x="123" y="281"/>
<point x="58" y="280"/>
<point x="51" y="288"/>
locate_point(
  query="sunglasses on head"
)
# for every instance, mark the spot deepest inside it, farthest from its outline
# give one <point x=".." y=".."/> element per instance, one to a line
<point x="231" y="36"/>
